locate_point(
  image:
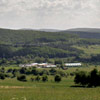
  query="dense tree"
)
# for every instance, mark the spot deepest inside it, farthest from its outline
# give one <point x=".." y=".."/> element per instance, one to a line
<point x="21" y="78"/>
<point x="81" y="78"/>
<point x="91" y="79"/>
<point x="57" y="78"/>
<point x="94" y="78"/>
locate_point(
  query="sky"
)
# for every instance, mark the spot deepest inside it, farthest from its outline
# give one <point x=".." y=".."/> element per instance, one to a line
<point x="49" y="14"/>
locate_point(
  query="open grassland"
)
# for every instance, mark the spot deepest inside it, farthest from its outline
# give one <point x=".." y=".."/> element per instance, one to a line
<point x="88" y="69"/>
<point x="11" y="89"/>
<point x="93" y="49"/>
<point x="14" y="90"/>
<point x="51" y="93"/>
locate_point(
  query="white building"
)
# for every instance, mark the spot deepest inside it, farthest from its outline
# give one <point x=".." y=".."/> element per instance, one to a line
<point x="51" y="66"/>
<point x="73" y="64"/>
<point x="28" y="65"/>
<point x="41" y="65"/>
<point x="34" y="64"/>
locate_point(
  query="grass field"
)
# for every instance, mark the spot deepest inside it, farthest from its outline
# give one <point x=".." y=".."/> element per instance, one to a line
<point x="15" y="90"/>
<point x="93" y="49"/>
<point x="51" y="93"/>
<point x="11" y="89"/>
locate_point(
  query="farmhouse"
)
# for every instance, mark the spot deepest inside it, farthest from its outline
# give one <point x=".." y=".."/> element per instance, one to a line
<point x="73" y="64"/>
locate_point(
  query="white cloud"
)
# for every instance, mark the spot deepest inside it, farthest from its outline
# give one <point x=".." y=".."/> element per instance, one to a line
<point x="49" y="13"/>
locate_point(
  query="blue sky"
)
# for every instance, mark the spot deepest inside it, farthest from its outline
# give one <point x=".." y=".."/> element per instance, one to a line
<point x="55" y="14"/>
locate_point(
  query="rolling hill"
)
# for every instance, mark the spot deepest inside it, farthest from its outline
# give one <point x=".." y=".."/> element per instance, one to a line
<point x="85" y="32"/>
<point x="37" y="36"/>
<point x="24" y="45"/>
<point x="8" y="36"/>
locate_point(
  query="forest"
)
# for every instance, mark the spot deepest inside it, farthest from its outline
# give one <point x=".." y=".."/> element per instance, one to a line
<point x="24" y="46"/>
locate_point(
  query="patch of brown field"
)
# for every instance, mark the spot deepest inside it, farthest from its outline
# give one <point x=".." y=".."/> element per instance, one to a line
<point x="14" y="87"/>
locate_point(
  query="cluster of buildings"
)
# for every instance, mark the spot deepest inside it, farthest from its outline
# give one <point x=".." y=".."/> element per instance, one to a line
<point x="38" y="65"/>
<point x="47" y="65"/>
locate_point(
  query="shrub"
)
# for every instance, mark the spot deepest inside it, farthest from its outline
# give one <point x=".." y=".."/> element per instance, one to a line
<point x="32" y="79"/>
<point x="57" y="78"/>
<point x="52" y="71"/>
<point x="22" y="71"/>
<point x="45" y="78"/>
<point x="2" y="76"/>
<point x="44" y="72"/>
<point x="15" y="72"/>
<point x="37" y="78"/>
<point x="35" y="71"/>
<point x="8" y="75"/>
<point x="9" y="70"/>
<point x="2" y="70"/>
<point x="61" y="73"/>
<point x="72" y="74"/>
<point x="21" y="78"/>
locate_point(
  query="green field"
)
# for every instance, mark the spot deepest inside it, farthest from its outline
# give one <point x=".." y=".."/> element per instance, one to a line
<point x="11" y="89"/>
<point x="93" y="49"/>
<point x="15" y="90"/>
<point x="50" y="93"/>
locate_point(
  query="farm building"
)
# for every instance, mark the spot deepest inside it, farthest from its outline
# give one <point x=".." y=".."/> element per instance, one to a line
<point x="51" y="66"/>
<point x="46" y="65"/>
<point x="28" y="65"/>
<point x="41" y="65"/>
<point x="73" y="64"/>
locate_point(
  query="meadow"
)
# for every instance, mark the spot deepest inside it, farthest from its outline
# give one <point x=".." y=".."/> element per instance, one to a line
<point x="12" y="89"/>
<point x="92" y="49"/>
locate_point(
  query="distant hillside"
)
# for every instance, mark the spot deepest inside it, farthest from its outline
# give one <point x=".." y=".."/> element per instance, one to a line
<point x="81" y="32"/>
<point x="26" y="45"/>
<point x="93" y="33"/>
<point x="44" y="30"/>
<point x="50" y="30"/>
<point x="8" y="36"/>
<point x="96" y="30"/>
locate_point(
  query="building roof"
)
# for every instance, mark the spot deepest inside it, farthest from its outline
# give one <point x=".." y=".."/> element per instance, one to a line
<point x="73" y="64"/>
<point x="43" y="64"/>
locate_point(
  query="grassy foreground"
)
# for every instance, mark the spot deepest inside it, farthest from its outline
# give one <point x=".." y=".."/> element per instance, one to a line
<point x="11" y="89"/>
<point x="50" y="94"/>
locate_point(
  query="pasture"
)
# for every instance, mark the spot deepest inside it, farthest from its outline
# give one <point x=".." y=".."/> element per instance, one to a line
<point x="92" y="49"/>
<point x="12" y="89"/>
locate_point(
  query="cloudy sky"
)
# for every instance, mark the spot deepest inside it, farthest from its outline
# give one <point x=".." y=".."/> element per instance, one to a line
<point x="55" y="14"/>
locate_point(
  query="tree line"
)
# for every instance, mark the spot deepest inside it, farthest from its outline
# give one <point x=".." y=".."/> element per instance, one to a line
<point x="36" y="74"/>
